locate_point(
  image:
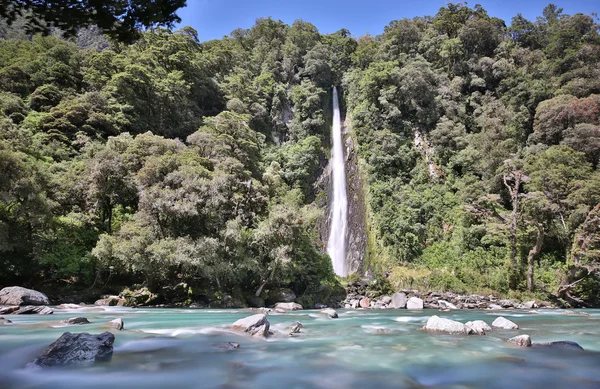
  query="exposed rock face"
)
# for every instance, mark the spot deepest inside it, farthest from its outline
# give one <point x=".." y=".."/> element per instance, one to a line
<point x="506" y="324"/>
<point x="117" y="324"/>
<point x="365" y="303"/>
<point x="289" y="306"/>
<point x="439" y="324"/>
<point x="478" y="326"/>
<point x="521" y="340"/>
<point x="16" y="295"/>
<point x="255" y="325"/>
<point x="414" y="303"/>
<point x="31" y="310"/>
<point x="331" y="313"/>
<point x="76" y="320"/>
<point x="399" y="300"/>
<point x="77" y="349"/>
<point x="111" y="301"/>
<point x="561" y="344"/>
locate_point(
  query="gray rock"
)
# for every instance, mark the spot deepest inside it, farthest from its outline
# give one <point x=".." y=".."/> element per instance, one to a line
<point x="399" y="300"/>
<point x="506" y="303"/>
<point x="111" y="301"/>
<point x="76" y="320"/>
<point x="495" y="307"/>
<point x="521" y="340"/>
<point x="289" y="306"/>
<point x="331" y="313"/>
<point x="446" y="304"/>
<point x="414" y="303"/>
<point x="478" y="326"/>
<point x="117" y="324"/>
<point x="226" y="346"/>
<point x="296" y="327"/>
<point x="529" y="304"/>
<point x="255" y="325"/>
<point x="16" y="295"/>
<point x="77" y="349"/>
<point x="386" y="299"/>
<point x="439" y="324"/>
<point x="8" y="310"/>
<point x="31" y="310"/>
<point x="279" y="310"/>
<point x="506" y="324"/>
<point x="561" y="344"/>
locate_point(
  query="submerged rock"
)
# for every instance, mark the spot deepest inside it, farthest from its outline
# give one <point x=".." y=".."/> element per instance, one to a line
<point x="414" y="303"/>
<point x="478" y="326"/>
<point x="77" y="349"/>
<point x="506" y="324"/>
<point x="521" y="340"/>
<point x="76" y="320"/>
<point x="16" y="295"/>
<point x="255" y="325"/>
<point x="331" y="313"/>
<point x="289" y="306"/>
<point x="31" y="310"/>
<point x="226" y="346"/>
<point x="439" y="324"/>
<point x="117" y="324"/>
<point x="561" y="344"/>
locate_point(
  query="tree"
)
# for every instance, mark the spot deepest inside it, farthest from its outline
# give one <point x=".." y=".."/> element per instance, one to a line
<point x="121" y="19"/>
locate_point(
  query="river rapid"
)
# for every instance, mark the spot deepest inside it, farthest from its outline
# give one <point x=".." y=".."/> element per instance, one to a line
<point x="175" y="348"/>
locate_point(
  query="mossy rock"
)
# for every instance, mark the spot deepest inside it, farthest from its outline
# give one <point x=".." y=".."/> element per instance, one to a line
<point x="138" y="297"/>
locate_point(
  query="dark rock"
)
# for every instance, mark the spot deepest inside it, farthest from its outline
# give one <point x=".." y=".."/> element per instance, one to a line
<point x="4" y="321"/>
<point x="227" y="346"/>
<point x="255" y="325"/>
<point x="31" y="310"/>
<point x="77" y="349"/>
<point x="76" y="320"/>
<point x="255" y="301"/>
<point x="16" y="295"/>
<point x="561" y="344"/>
<point x="399" y="300"/>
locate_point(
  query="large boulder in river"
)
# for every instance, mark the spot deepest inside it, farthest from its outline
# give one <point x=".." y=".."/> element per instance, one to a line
<point x="255" y="325"/>
<point x="447" y="326"/>
<point x="117" y="324"/>
<point x="31" y="310"/>
<point x="76" y="320"/>
<point x="414" y="303"/>
<point x="289" y="306"/>
<point x="16" y="295"/>
<point x="478" y="326"/>
<point x="77" y="349"/>
<point x="399" y="300"/>
<point x="331" y="313"/>
<point x="521" y="340"/>
<point x="506" y="324"/>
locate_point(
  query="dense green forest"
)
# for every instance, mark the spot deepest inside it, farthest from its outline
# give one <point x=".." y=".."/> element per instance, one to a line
<point x="193" y="167"/>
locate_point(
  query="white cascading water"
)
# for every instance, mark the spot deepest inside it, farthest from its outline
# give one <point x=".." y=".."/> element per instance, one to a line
<point x="336" y="246"/>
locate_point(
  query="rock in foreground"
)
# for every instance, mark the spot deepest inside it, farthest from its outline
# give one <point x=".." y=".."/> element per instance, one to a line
<point x="16" y="295"/>
<point x="255" y="325"/>
<point x="506" y="324"/>
<point x="77" y="349"/>
<point x="447" y="326"/>
<point x="289" y="306"/>
<point x="414" y="303"/>
<point x="478" y="326"/>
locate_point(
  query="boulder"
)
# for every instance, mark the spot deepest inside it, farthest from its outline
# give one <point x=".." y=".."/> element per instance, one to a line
<point x="76" y="320"/>
<point x="506" y="303"/>
<point x="8" y="310"/>
<point x="447" y="326"/>
<point x="226" y="346"/>
<point x="255" y="325"/>
<point x="521" y="340"/>
<point x="561" y="344"/>
<point x="31" y="310"/>
<point x="399" y="300"/>
<point x="4" y="321"/>
<point x="506" y="324"/>
<point x="111" y="301"/>
<point x="289" y="306"/>
<point x="330" y="312"/>
<point x="68" y="306"/>
<point x="386" y="300"/>
<point x="365" y="303"/>
<point x="494" y="307"/>
<point x="15" y="295"/>
<point x="529" y="304"/>
<point x="478" y="326"/>
<point x="414" y="303"/>
<point x="117" y="324"/>
<point x="446" y="305"/>
<point x="77" y="349"/>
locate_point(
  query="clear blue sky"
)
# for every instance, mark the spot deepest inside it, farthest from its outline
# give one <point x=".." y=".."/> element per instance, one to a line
<point x="215" y="18"/>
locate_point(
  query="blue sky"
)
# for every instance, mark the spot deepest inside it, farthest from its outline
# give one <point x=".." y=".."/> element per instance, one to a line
<point x="215" y="18"/>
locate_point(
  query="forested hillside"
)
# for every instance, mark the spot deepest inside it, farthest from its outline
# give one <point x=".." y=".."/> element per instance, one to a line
<point x="191" y="167"/>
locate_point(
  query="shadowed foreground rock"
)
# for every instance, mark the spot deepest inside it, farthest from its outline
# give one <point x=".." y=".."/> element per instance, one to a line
<point x="255" y="325"/>
<point x="16" y="295"/>
<point x="77" y="349"/>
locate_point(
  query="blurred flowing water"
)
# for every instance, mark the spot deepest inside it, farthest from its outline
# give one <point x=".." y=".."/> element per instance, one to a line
<point x="174" y="348"/>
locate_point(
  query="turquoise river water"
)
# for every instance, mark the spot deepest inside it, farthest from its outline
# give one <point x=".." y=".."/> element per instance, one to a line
<point x="175" y="348"/>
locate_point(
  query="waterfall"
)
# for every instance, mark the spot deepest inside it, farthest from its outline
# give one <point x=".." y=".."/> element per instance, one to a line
<point x="336" y="246"/>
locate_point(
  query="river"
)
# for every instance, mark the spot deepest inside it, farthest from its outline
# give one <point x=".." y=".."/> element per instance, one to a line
<point x="174" y="348"/>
